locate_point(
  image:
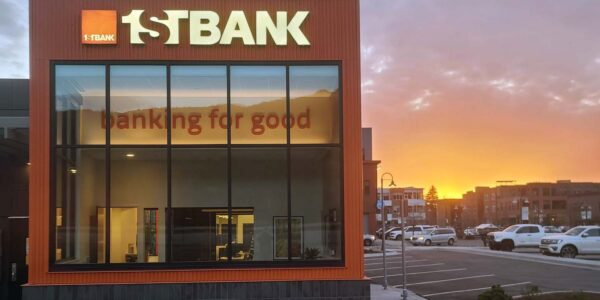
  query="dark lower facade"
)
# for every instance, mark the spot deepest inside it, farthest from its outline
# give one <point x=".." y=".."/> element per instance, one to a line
<point x="348" y="289"/>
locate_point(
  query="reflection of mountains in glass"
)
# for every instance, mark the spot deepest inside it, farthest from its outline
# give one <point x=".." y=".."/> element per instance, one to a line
<point x="131" y="105"/>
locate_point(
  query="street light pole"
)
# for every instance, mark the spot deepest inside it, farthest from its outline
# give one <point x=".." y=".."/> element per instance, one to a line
<point x="383" y="220"/>
<point x="404" y="292"/>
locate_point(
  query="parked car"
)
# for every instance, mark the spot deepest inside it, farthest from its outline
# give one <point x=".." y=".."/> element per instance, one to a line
<point x="564" y="229"/>
<point x="516" y="236"/>
<point x="387" y="231"/>
<point x="435" y="236"/>
<point x="486" y="228"/>
<point x="471" y="233"/>
<point x="552" y="229"/>
<point x="409" y="232"/>
<point x="368" y="239"/>
<point x="581" y="240"/>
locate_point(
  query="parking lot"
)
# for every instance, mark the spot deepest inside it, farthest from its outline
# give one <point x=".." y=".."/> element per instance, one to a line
<point x="466" y="270"/>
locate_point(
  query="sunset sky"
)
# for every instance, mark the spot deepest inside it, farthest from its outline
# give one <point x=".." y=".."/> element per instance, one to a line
<point x="464" y="93"/>
<point x="460" y="93"/>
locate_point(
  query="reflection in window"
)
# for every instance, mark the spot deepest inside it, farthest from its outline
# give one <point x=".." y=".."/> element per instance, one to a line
<point x="138" y="179"/>
<point x="199" y="200"/>
<point x="314" y="92"/>
<point x="199" y="104"/>
<point x="80" y="101"/>
<point x="258" y="105"/>
<point x="259" y="182"/>
<point x="316" y="196"/>
<point x="80" y="192"/>
<point x="138" y="102"/>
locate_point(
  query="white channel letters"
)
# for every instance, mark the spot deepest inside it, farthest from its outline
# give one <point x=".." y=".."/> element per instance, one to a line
<point x="204" y="27"/>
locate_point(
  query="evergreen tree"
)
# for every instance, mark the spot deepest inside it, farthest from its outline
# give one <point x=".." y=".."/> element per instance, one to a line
<point x="432" y="195"/>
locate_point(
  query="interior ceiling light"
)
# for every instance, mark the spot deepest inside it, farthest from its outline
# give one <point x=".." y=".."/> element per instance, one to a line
<point x="130" y="155"/>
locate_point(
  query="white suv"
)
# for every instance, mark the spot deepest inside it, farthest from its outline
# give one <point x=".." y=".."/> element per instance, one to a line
<point x="409" y="232"/>
<point x="577" y="241"/>
<point x="516" y="236"/>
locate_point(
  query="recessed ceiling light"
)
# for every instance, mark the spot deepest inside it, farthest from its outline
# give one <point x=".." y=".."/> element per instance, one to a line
<point x="73" y="171"/>
<point x="130" y="155"/>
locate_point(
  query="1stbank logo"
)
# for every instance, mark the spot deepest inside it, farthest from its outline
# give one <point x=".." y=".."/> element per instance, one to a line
<point x="204" y="27"/>
<point x="99" y="27"/>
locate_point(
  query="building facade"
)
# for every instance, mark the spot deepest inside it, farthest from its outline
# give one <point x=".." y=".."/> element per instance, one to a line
<point x="370" y="182"/>
<point x="563" y="203"/>
<point x="14" y="184"/>
<point x="414" y="205"/>
<point x="178" y="148"/>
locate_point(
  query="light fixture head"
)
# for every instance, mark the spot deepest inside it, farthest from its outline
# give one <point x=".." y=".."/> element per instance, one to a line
<point x="392" y="184"/>
<point x="130" y="155"/>
<point x="73" y="171"/>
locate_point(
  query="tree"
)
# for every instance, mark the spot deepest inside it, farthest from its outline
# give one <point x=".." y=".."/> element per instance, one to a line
<point x="431" y="205"/>
<point x="432" y="195"/>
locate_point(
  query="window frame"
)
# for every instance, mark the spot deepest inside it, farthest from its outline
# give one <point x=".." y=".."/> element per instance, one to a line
<point x="169" y="264"/>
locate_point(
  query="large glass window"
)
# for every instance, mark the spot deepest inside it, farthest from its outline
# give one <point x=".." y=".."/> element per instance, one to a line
<point x="80" y="197"/>
<point x="138" y="102"/>
<point x="201" y="166"/>
<point x="199" y="104"/>
<point x="199" y="201"/>
<point x="80" y="105"/>
<point x="259" y="182"/>
<point x="316" y="194"/>
<point x="138" y="181"/>
<point x="258" y="105"/>
<point x="314" y="105"/>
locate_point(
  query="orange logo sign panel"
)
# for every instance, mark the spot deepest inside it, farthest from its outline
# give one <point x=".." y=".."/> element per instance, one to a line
<point x="99" y="27"/>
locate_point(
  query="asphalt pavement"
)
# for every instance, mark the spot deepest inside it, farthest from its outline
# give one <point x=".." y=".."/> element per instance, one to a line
<point x="464" y="272"/>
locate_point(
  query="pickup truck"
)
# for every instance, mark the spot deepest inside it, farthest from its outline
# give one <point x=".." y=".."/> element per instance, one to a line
<point x="516" y="236"/>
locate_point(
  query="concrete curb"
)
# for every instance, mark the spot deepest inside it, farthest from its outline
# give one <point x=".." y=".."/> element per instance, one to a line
<point x="388" y="253"/>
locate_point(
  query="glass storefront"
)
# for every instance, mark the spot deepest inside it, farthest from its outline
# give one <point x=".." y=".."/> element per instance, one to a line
<point x="197" y="164"/>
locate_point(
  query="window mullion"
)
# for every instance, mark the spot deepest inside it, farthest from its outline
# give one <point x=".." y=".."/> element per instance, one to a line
<point x="107" y="169"/>
<point x="229" y="179"/>
<point x="289" y="160"/>
<point x="169" y="213"/>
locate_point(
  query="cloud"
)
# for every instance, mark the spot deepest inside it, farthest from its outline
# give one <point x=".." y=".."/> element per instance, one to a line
<point x="504" y="85"/>
<point x="367" y="86"/>
<point x="590" y="102"/>
<point x="421" y="103"/>
<point x="14" y="39"/>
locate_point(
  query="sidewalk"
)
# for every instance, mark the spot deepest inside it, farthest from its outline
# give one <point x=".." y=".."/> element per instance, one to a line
<point x="378" y="293"/>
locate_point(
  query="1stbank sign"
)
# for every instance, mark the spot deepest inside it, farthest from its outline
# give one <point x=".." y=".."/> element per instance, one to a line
<point x="99" y="27"/>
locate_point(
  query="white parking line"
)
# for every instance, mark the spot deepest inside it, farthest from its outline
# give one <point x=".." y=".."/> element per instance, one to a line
<point x="411" y="266"/>
<point x="446" y="280"/>
<point x="397" y="262"/>
<point x="418" y="273"/>
<point x="387" y="258"/>
<point x="473" y="290"/>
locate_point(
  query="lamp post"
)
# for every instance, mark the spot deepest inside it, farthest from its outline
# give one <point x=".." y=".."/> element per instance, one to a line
<point x="383" y="220"/>
<point x="404" y="292"/>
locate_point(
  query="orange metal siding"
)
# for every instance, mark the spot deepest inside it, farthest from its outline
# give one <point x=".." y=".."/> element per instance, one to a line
<point x="332" y="28"/>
